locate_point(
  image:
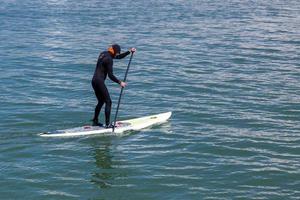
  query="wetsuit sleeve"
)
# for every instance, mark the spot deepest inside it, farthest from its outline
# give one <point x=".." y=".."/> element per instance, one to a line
<point x="110" y="72"/>
<point x="122" y="55"/>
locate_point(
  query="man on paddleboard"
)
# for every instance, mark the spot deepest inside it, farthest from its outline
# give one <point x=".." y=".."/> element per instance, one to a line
<point x="104" y="67"/>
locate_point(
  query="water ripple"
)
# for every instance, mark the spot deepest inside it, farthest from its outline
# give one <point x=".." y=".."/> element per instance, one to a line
<point x="229" y="71"/>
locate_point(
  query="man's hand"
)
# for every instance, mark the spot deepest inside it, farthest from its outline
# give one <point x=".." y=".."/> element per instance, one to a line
<point x="123" y="84"/>
<point x="132" y="50"/>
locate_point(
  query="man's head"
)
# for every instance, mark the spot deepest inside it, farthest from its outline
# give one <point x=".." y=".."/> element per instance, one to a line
<point x="114" y="49"/>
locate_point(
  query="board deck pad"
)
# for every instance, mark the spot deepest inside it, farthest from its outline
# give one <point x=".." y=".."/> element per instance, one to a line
<point x="121" y="126"/>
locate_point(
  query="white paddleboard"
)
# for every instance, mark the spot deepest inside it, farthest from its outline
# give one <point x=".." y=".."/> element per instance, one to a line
<point x="121" y="126"/>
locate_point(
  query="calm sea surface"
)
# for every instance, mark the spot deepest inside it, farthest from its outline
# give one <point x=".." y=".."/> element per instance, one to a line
<point x="229" y="71"/>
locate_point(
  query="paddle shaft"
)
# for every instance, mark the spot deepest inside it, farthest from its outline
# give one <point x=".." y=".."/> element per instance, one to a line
<point x="119" y="101"/>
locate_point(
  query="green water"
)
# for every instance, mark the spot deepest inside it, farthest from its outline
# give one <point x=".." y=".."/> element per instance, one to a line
<point x="228" y="70"/>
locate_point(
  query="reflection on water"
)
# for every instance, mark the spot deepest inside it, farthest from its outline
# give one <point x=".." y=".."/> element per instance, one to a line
<point x="103" y="161"/>
<point x="105" y="173"/>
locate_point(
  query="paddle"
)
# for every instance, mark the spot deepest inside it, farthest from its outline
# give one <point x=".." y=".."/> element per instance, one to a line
<point x="116" y="115"/>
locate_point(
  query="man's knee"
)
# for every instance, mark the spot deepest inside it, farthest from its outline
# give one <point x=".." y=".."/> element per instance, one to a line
<point x="108" y="102"/>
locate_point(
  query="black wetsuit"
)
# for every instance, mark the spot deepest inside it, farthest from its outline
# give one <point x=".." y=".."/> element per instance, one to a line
<point x="104" y="67"/>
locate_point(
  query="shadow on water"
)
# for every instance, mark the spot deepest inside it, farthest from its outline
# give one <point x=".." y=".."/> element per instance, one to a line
<point x="103" y="160"/>
<point x="106" y="171"/>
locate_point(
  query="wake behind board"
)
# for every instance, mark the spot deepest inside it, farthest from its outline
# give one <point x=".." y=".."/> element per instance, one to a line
<point x="121" y="126"/>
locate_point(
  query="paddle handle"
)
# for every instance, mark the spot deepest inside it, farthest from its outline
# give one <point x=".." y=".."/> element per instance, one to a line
<point x="120" y="96"/>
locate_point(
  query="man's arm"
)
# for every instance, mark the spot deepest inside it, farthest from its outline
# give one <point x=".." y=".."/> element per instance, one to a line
<point x="122" y="55"/>
<point x="109" y="65"/>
